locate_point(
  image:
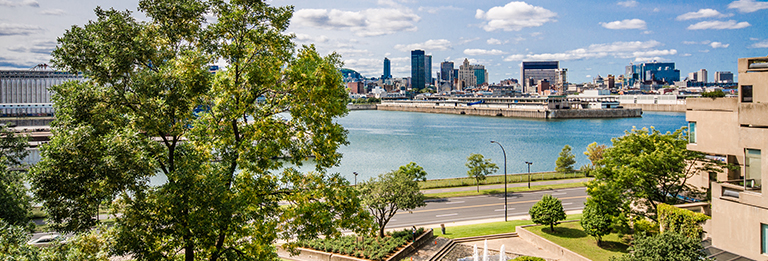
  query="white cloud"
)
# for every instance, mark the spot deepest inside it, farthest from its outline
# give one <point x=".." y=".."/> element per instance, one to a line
<point x="629" y="3"/>
<point x="32" y="3"/>
<point x="305" y="38"/>
<point x="625" y="24"/>
<point x="429" y="45"/>
<point x="754" y="39"/>
<point x="694" y="42"/>
<point x="686" y="54"/>
<point x="730" y="24"/>
<point x="719" y="45"/>
<point x="369" y="22"/>
<point x="622" y="50"/>
<point x="493" y="41"/>
<point x="438" y="9"/>
<point x="649" y="59"/>
<point x="702" y="13"/>
<point x="36" y="47"/>
<point x="475" y="52"/>
<point x="18" y="29"/>
<point x="53" y="12"/>
<point x="352" y="52"/>
<point x="466" y="41"/>
<point x="514" y="16"/>
<point x="748" y="6"/>
<point x="589" y="76"/>
<point x="763" y="44"/>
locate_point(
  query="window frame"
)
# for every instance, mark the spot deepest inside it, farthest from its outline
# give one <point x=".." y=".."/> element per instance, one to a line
<point x="743" y="91"/>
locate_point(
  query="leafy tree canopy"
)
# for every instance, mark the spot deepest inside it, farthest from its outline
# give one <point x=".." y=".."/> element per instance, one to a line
<point x="391" y="192"/>
<point x="548" y="211"/>
<point x="149" y="108"/>
<point x="15" y="203"/>
<point x="565" y="161"/>
<point x="479" y="168"/>
<point x="667" y="246"/>
<point x="596" y="220"/>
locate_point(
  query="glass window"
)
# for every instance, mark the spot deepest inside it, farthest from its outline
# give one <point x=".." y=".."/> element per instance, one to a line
<point x="764" y="238"/>
<point x="746" y="93"/>
<point x="752" y="169"/>
<point x="691" y="132"/>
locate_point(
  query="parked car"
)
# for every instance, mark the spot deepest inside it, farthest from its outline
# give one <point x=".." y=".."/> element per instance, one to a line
<point x="47" y="240"/>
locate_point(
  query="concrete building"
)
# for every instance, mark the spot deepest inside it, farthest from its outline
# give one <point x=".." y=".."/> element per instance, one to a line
<point x="481" y="75"/>
<point x="26" y="93"/>
<point x="735" y="131"/>
<point x="702" y="76"/>
<point x="542" y="70"/>
<point x="446" y="75"/>
<point x="428" y="70"/>
<point x="467" y="77"/>
<point x="418" y="71"/>
<point x="561" y="78"/>
<point x="723" y="77"/>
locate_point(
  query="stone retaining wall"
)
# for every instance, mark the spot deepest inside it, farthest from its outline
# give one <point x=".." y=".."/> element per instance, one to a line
<point x="516" y="113"/>
<point x="545" y="244"/>
<point x="354" y="107"/>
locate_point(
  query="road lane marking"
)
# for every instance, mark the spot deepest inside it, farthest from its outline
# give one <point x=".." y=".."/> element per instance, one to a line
<point x="561" y="193"/>
<point x="569" y="203"/>
<point x="447" y="215"/>
<point x="484" y="205"/>
<point x="454" y="202"/>
<point x="503" y="209"/>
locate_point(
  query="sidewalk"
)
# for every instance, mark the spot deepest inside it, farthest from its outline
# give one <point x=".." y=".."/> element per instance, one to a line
<point x="509" y="185"/>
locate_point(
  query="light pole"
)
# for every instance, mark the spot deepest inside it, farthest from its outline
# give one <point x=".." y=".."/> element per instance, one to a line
<point x="529" y="173"/>
<point x="355" y="177"/>
<point x="505" y="179"/>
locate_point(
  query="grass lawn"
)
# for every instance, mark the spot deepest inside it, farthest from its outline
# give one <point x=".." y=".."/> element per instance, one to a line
<point x="496" y="179"/>
<point x="488" y="228"/>
<point x="572" y="236"/>
<point x="501" y="191"/>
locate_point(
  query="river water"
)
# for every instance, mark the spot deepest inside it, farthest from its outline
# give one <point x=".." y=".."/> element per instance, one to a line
<point x="380" y="141"/>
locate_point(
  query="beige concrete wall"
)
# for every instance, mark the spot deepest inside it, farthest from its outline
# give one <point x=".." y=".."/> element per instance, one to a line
<point x="514" y="112"/>
<point x="655" y="107"/>
<point x="354" y="107"/>
<point x="736" y="226"/>
<point x="550" y="246"/>
<point x="753" y="114"/>
<point x="755" y="77"/>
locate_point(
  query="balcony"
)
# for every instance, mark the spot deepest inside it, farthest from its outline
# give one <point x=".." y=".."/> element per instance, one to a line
<point x="753" y="114"/>
<point x="734" y="188"/>
<point x="712" y="104"/>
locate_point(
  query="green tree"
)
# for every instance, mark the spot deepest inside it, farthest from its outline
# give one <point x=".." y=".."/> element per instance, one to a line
<point x="414" y="171"/>
<point x="594" y="153"/>
<point x="548" y="211"/>
<point x="645" y="168"/>
<point x="479" y="168"/>
<point x="565" y="161"/>
<point x="15" y="202"/>
<point x="391" y="192"/>
<point x="595" y="220"/>
<point x="150" y="107"/>
<point x="713" y="94"/>
<point x="667" y="246"/>
<point x="681" y="221"/>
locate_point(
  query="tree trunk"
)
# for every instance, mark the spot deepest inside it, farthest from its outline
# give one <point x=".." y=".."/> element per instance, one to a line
<point x="477" y="183"/>
<point x="381" y="232"/>
<point x="552" y="227"/>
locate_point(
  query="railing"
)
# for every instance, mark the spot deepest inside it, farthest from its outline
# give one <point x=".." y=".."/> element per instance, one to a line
<point x="732" y="188"/>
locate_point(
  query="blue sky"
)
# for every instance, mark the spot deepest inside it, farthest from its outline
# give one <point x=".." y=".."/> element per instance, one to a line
<point x="587" y="37"/>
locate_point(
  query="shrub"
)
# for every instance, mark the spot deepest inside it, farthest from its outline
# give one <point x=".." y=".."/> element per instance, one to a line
<point x="595" y="221"/>
<point x="713" y="94"/>
<point x="682" y="221"/>
<point x="529" y="258"/>
<point x="548" y="211"/>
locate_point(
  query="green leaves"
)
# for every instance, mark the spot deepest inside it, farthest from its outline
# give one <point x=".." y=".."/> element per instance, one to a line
<point x="565" y="161"/>
<point x="548" y="211"/>
<point x="479" y="168"/>
<point x="391" y="192"/>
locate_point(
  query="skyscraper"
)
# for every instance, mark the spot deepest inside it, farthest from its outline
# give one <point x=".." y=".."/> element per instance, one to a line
<point x="481" y="75"/>
<point x="418" y="72"/>
<point x="446" y="71"/>
<point x="723" y="77"/>
<point x="536" y="71"/>
<point x="387" y="69"/>
<point x="652" y="71"/>
<point x="702" y="75"/>
<point x="428" y="69"/>
<point x="467" y="77"/>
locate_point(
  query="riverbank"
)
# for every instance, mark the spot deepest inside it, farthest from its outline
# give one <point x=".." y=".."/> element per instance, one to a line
<point x="541" y="112"/>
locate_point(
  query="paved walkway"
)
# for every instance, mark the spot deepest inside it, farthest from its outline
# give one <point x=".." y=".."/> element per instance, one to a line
<point x="509" y="185"/>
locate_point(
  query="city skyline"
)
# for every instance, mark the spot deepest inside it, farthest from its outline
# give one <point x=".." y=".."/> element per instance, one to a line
<point x="587" y="38"/>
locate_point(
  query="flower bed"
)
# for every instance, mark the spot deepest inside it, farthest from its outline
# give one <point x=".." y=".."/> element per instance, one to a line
<point x="368" y="247"/>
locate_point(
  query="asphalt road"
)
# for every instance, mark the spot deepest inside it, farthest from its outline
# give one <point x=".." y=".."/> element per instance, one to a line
<point x="484" y="207"/>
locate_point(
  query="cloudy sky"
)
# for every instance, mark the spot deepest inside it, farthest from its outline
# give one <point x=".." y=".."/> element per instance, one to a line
<point x="597" y="37"/>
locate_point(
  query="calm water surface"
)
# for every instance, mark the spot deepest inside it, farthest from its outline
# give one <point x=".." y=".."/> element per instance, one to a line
<point x="380" y="141"/>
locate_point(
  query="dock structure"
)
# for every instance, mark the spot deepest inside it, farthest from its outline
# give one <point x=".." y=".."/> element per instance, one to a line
<point x="25" y="96"/>
<point x="553" y="107"/>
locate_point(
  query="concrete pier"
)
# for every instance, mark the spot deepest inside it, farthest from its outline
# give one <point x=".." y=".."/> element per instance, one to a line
<point x="539" y="112"/>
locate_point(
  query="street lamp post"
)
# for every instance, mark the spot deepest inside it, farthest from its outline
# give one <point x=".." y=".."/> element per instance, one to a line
<point x="355" y="177"/>
<point x="529" y="173"/>
<point x="505" y="179"/>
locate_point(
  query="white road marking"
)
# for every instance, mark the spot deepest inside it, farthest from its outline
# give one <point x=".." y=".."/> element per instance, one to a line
<point x="454" y="202"/>
<point x="569" y="203"/>
<point x="503" y="209"/>
<point x="447" y="215"/>
<point x="561" y="193"/>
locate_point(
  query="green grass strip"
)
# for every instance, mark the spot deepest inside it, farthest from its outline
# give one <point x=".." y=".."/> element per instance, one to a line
<point x="497" y="179"/>
<point x="488" y="228"/>
<point x="501" y="190"/>
<point x="571" y="236"/>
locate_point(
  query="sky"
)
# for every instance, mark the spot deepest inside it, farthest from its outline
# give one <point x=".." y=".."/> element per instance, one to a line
<point x="589" y="38"/>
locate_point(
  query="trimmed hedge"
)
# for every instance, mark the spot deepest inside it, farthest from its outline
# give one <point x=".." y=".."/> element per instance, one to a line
<point x="372" y="248"/>
<point x="682" y="221"/>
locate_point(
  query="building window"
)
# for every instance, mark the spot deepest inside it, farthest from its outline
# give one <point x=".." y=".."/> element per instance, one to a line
<point x="752" y="173"/>
<point x="764" y="238"/>
<point x="746" y="93"/>
<point x="691" y="132"/>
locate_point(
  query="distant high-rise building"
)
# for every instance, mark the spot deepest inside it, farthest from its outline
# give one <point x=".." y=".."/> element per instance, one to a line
<point x="467" y="77"/>
<point x="532" y="72"/>
<point x="481" y="75"/>
<point x="428" y="69"/>
<point x="387" y="69"/>
<point x="418" y="72"/>
<point x="702" y="75"/>
<point x="723" y="77"/>
<point x="561" y="78"/>
<point x="652" y="71"/>
<point x="446" y="73"/>
<point x="693" y="76"/>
